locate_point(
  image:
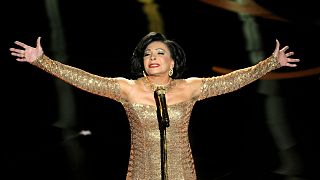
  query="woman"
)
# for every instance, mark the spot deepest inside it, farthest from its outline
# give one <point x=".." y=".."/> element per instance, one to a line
<point x="158" y="62"/>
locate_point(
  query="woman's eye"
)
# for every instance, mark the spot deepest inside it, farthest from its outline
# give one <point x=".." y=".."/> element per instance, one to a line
<point x="146" y="54"/>
<point x="161" y="53"/>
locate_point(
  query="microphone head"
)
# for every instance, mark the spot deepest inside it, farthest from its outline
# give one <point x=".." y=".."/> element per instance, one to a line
<point x="160" y="91"/>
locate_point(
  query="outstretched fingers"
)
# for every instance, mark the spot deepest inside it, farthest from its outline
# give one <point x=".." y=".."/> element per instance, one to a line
<point x="19" y="53"/>
<point x="276" y="50"/>
<point x="284" y="57"/>
<point x="38" y="42"/>
<point x="21" y="44"/>
<point x="291" y="62"/>
<point x="15" y="50"/>
<point x="284" y="49"/>
<point x="289" y="53"/>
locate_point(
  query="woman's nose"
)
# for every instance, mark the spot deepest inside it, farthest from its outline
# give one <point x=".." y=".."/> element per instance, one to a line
<point x="152" y="57"/>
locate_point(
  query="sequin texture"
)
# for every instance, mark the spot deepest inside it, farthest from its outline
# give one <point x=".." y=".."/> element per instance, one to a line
<point x="145" y="160"/>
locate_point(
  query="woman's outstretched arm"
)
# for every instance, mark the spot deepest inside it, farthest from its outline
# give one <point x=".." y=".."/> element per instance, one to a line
<point x="235" y="80"/>
<point x="103" y="86"/>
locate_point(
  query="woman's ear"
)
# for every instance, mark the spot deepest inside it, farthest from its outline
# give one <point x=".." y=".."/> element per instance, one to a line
<point x="172" y="64"/>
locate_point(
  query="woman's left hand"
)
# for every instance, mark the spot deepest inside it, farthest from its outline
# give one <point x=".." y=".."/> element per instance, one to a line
<point x="284" y="57"/>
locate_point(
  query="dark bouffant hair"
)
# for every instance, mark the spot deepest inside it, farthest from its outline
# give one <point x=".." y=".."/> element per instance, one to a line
<point x="177" y="54"/>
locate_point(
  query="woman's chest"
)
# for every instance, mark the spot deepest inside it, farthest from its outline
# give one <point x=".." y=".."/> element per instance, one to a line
<point x="145" y="115"/>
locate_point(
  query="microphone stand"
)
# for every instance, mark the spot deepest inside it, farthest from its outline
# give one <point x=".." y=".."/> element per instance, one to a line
<point x="163" y="120"/>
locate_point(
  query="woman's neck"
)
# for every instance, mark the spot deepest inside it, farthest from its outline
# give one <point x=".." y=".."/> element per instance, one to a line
<point x="162" y="83"/>
<point x="159" y="80"/>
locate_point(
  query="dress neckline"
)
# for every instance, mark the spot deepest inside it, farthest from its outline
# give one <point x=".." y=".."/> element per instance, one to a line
<point x="154" y="106"/>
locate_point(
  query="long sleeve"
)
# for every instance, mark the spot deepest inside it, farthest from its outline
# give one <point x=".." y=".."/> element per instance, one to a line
<point x="232" y="81"/>
<point x="103" y="86"/>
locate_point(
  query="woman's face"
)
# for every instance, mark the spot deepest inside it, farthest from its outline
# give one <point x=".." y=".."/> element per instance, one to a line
<point x="157" y="59"/>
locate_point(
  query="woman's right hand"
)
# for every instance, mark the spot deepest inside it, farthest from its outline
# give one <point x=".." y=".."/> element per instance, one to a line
<point x="27" y="53"/>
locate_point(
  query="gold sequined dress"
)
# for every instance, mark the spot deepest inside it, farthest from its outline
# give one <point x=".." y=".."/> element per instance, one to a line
<point x="145" y="160"/>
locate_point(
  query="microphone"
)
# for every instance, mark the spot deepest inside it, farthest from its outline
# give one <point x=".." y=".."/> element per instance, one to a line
<point x="162" y="106"/>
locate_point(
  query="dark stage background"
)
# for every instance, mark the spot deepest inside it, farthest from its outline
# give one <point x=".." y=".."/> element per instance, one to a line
<point x="232" y="135"/>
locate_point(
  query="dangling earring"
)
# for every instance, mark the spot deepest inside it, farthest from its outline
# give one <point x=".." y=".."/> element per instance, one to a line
<point x="144" y="74"/>
<point x="170" y="72"/>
